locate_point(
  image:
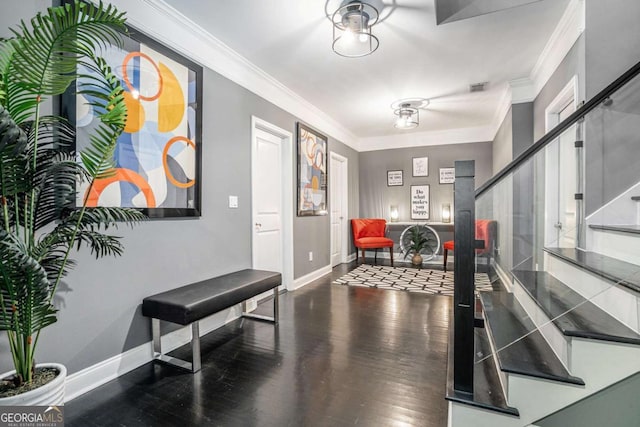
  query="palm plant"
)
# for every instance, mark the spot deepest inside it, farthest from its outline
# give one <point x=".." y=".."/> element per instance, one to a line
<point x="417" y="241"/>
<point x="40" y="223"/>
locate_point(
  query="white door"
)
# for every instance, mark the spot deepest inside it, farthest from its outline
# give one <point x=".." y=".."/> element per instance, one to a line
<point x="567" y="185"/>
<point x="561" y="183"/>
<point x="338" y="200"/>
<point x="267" y="201"/>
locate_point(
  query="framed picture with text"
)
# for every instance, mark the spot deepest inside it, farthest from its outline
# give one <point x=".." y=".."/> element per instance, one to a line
<point x="394" y="179"/>
<point x="420" y="166"/>
<point x="447" y="175"/>
<point x="420" y="202"/>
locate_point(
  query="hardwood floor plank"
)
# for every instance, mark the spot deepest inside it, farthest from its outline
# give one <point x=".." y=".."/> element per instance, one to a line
<point x="341" y="355"/>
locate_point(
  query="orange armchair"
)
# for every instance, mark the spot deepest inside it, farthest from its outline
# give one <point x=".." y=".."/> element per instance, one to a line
<point x="486" y="230"/>
<point x="370" y="234"/>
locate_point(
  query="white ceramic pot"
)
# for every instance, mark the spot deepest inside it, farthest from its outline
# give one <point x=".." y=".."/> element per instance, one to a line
<point x="50" y="394"/>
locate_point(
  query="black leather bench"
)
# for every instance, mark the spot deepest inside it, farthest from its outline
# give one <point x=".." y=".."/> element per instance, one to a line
<point x="189" y="304"/>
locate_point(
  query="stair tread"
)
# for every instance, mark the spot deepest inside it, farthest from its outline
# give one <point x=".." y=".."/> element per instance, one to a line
<point x="625" y="228"/>
<point x="521" y="348"/>
<point x="620" y="272"/>
<point x="487" y="391"/>
<point x="572" y="313"/>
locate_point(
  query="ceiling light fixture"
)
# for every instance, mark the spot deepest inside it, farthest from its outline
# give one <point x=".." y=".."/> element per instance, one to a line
<point x="408" y="112"/>
<point x="352" y="36"/>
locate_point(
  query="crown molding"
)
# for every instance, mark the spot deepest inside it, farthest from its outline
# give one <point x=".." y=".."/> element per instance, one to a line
<point x="571" y="26"/>
<point x="168" y="25"/>
<point x="423" y="139"/>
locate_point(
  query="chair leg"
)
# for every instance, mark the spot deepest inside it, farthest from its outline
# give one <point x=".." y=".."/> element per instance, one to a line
<point x="391" y="252"/>
<point x="375" y="257"/>
<point x="357" y="256"/>
<point x="446" y="252"/>
<point x="363" y="260"/>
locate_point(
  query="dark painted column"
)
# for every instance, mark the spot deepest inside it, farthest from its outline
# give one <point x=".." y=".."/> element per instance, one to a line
<point x="464" y="269"/>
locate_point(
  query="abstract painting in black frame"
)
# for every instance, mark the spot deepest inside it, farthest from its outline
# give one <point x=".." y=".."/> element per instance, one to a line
<point x="158" y="156"/>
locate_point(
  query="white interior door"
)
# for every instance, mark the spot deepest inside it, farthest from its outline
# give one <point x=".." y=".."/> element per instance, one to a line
<point x="267" y="202"/>
<point x="561" y="183"/>
<point x="338" y="199"/>
<point x="272" y="202"/>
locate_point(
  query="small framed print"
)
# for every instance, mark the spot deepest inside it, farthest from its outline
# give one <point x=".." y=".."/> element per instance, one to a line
<point x="447" y="175"/>
<point x="394" y="179"/>
<point x="420" y="166"/>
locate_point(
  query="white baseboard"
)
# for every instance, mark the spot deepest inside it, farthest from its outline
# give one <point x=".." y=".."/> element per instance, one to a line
<point x="102" y="372"/>
<point x="308" y="278"/>
<point x="351" y="257"/>
<point x="504" y="277"/>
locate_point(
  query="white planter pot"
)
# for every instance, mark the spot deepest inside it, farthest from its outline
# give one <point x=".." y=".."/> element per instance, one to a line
<point x="50" y="394"/>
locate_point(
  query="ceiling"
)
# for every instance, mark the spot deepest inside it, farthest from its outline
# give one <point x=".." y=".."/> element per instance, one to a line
<point x="291" y="41"/>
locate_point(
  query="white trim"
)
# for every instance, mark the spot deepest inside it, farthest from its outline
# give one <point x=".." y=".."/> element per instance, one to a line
<point x="102" y="372"/>
<point x="428" y="138"/>
<point x="522" y="90"/>
<point x="287" y="195"/>
<point x="504" y="277"/>
<point x="170" y="27"/>
<point x="308" y="278"/>
<point x="344" y="233"/>
<point x="351" y="257"/>
<point x="571" y="26"/>
<point x="568" y="94"/>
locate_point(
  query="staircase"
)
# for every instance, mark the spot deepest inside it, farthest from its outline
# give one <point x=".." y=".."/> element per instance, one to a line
<point x="564" y="325"/>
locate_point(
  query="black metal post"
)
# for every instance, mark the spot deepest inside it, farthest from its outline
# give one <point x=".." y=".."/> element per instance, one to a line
<point x="464" y="269"/>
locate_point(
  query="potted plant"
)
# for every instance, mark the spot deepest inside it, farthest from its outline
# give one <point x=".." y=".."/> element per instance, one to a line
<point x="40" y="220"/>
<point x="417" y="242"/>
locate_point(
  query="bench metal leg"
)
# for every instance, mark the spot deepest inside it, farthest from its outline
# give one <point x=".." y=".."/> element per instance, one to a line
<point x="276" y="310"/>
<point x="195" y="364"/>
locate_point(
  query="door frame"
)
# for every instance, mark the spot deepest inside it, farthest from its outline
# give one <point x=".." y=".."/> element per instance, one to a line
<point x="287" y="193"/>
<point x="569" y="94"/>
<point x="344" y="232"/>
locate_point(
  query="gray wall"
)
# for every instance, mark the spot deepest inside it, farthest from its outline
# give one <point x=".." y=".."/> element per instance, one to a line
<point x="503" y="143"/>
<point x="376" y="197"/>
<point x="100" y="300"/>
<point x="572" y="64"/>
<point x="613" y="41"/>
<point x="611" y="133"/>
<point x="522" y="118"/>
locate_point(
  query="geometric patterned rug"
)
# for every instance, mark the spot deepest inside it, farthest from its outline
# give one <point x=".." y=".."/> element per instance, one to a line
<point x="422" y="281"/>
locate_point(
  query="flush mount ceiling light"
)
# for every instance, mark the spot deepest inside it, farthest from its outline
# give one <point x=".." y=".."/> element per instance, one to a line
<point x="407" y="112"/>
<point x="352" y="36"/>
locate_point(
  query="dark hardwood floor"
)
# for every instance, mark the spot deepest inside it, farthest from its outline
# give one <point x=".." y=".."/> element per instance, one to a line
<point x="341" y="355"/>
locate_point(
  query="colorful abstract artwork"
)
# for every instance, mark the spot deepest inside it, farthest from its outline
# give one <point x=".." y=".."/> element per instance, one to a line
<point x="157" y="155"/>
<point x="312" y="172"/>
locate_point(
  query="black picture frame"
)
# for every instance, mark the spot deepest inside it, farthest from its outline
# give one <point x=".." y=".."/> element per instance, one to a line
<point x="312" y="168"/>
<point x="183" y="188"/>
<point x="393" y="177"/>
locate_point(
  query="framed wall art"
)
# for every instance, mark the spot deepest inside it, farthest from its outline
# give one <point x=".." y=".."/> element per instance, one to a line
<point x="420" y="202"/>
<point x="447" y="175"/>
<point x="420" y="166"/>
<point x="394" y="179"/>
<point x="158" y="156"/>
<point x="312" y="172"/>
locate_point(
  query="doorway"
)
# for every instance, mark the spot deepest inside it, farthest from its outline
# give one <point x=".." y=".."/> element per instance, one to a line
<point x="272" y="199"/>
<point x="339" y="197"/>
<point x="561" y="173"/>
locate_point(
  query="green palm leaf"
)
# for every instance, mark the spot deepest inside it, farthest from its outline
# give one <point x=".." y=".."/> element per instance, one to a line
<point x="46" y="53"/>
